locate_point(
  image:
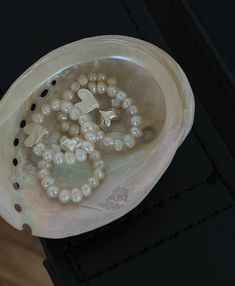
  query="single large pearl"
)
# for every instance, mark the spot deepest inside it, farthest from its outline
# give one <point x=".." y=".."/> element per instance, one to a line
<point x="80" y="155"/>
<point x="37" y="117"/>
<point x="92" y="76"/>
<point x="76" y="195"/>
<point x="43" y="173"/>
<point x="84" y="118"/>
<point x="98" y="164"/>
<point x="55" y="147"/>
<point x="73" y="130"/>
<point x="111" y="80"/>
<point x="111" y="90"/>
<point x="91" y="136"/>
<point x="95" y="155"/>
<point x="52" y="191"/>
<point x="100" y="135"/>
<point x="136" y="120"/>
<point x="93" y="182"/>
<point x="47" y="155"/>
<point x="75" y="86"/>
<point x="64" y="196"/>
<point x="88" y="146"/>
<point x="82" y="79"/>
<point x="133" y="109"/>
<point x="101" y="76"/>
<point x="47" y="181"/>
<point x="127" y="103"/>
<point x="66" y="107"/>
<point x="86" y="190"/>
<point x="62" y="116"/>
<point x="69" y="158"/>
<point x="118" y="145"/>
<point x="65" y="125"/>
<point x="129" y="141"/>
<point x="136" y="132"/>
<point x="115" y="103"/>
<point x="108" y="141"/>
<point x="68" y="95"/>
<point x="55" y="104"/>
<point x="99" y="174"/>
<point x="74" y="113"/>
<point x="58" y="158"/>
<point x="121" y="95"/>
<point x="88" y="127"/>
<point x="44" y="165"/>
<point x="38" y="149"/>
<point x="101" y="87"/>
<point x="46" y="109"/>
<point x="92" y="87"/>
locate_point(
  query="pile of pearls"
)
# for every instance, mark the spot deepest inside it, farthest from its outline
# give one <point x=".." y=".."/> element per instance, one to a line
<point x="78" y="124"/>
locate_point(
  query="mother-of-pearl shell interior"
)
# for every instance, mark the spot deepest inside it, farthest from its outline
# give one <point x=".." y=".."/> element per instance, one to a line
<point x="130" y="175"/>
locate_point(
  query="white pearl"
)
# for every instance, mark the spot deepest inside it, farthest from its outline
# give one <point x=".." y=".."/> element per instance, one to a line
<point x="93" y="182"/>
<point x="73" y="130"/>
<point x="99" y="174"/>
<point x="92" y="87"/>
<point x="74" y="113"/>
<point x="75" y="86"/>
<point x="121" y="95"/>
<point x="101" y="76"/>
<point x="52" y="191"/>
<point x="66" y="107"/>
<point x="47" y="181"/>
<point x="64" y="196"/>
<point x="76" y="195"/>
<point x="80" y="155"/>
<point x="55" y="104"/>
<point x="91" y="136"/>
<point x="118" y="145"/>
<point x="58" y="158"/>
<point x="37" y="117"/>
<point x="84" y="118"/>
<point x="115" y="103"/>
<point x="98" y="164"/>
<point x="88" y="146"/>
<point x="88" y="127"/>
<point x="43" y="173"/>
<point x="86" y="190"/>
<point x="44" y="165"/>
<point x="68" y="95"/>
<point x="127" y="103"/>
<point x="101" y="87"/>
<point x="38" y="149"/>
<point x="136" y="132"/>
<point x="112" y="80"/>
<point x="100" y="135"/>
<point x="108" y="141"/>
<point x="129" y="141"/>
<point x="133" y="109"/>
<point x="111" y="90"/>
<point x="55" y="147"/>
<point x="95" y="155"/>
<point x="82" y="79"/>
<point x="92" y="76"/>
<point x="136" y="120"/>
<point x="62" y="116"/>
<point x="65" y="125"/>
<point x="69" y="158"/>
<point x="47" y="155"/>
<point x="46" y="109"/>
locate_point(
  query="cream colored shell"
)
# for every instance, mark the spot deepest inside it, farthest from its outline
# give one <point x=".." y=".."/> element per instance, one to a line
<point x="158" y="86"/>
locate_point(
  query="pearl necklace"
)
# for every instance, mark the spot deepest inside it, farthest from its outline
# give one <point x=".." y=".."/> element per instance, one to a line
<point x="80" y="145"/>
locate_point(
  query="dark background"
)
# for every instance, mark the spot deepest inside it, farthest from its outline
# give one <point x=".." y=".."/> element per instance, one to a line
<point x="183" y="232"/>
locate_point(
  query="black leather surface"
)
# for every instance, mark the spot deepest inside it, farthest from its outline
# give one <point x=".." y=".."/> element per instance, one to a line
<point x="182" y="233"/>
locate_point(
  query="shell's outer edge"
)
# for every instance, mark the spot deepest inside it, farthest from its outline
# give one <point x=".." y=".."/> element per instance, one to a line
<point x="151" y="178"/>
